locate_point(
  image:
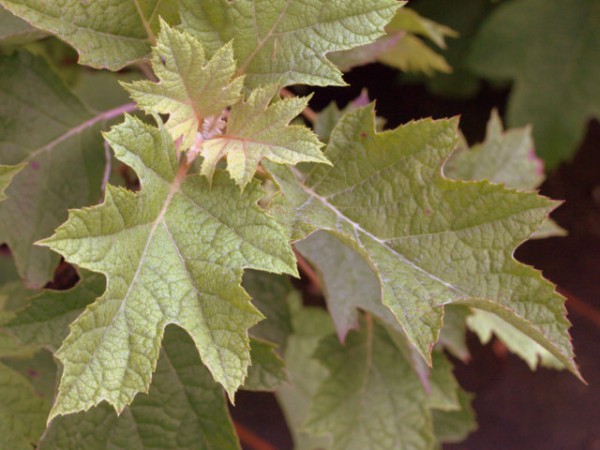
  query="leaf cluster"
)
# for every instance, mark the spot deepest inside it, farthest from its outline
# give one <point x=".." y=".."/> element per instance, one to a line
<point x="185" y="211"/>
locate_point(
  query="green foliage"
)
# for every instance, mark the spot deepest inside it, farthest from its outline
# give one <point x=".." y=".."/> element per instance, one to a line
<point x="551" y="53"/>
<point x="106" y="33"/>
<point x="183" y="295"/>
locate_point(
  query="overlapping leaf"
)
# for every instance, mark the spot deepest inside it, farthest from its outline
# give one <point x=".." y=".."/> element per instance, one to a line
<point x="184" y="408"/>
<point x="6" y="175"/>
<point x="551" y="53"/>
<point x="172" y="253"/>
<point x="191" y="88"/>
<point x="58" y="139"/>
<point x="427" y="237"/>
<point x="503" y="157"/>
<point x="106" y="33"/>
<point x="371" y="398"/>
<point x="16" y="31"/>
<point x="195" y="93"/>
<point x="286" y="41"/>
<point x="257" y="130"/>
<point x="401" y="47"/>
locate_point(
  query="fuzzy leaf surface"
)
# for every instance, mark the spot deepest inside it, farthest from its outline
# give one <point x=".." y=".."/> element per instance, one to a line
<point x="257" y="130"/>
<point x="172" y="253"/>
<point x="184" y="408"/>
<point x="561" y="41"/>
<point x="191" y="88"/>
<point x="106" y="33"/>
<point x="503" y="157"/>
<point x="286" y="41"/>
<point x="371" y="398"/>
<point x="58" y="140"/>
<point x="426" y="236"/>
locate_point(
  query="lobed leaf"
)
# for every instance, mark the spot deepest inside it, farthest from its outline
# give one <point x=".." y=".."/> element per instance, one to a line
<point x="191" y="89"/>
<point x="426" y="237"/>
<point x="285" y="42"/>
<point x="172" y="253"/>
<point x="257" y="130"/>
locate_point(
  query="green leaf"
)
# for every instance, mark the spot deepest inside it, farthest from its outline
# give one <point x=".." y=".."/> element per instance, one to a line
<point x="6" y="175"/>
<point x="348" y="282"/>
<point x="401" y="46"/>
<point x="22" y="412"/>
<point x="485" y="324"/>
<point x="16" y="31"/>
<point x="45" y="321"/>
<point x="184" y="408"/>
<point x="43" y="125"/>
<point x="371" y="398"/>
<point x="426" y="236"/>
<point x="271" y="295"/>
<point x="106" y="33"/>
<point x="257" y="130"/>
<point x="284" y="42"/>
<point x="172" y="253"/>
<point x="503" y="157"/>
<point x="455" y="426"/>
<point x="453" y="336"/>
<point x="310" y="325"/>
<point x="191" y="89"/>
<point x="267" y="370"/>
<point x="525" y="41"/>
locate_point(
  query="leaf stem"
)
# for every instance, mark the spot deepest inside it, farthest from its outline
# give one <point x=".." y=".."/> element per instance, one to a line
<point x="106" y="115"/>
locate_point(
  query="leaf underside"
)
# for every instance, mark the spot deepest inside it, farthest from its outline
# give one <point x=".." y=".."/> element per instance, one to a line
<point x="172" y="253"/>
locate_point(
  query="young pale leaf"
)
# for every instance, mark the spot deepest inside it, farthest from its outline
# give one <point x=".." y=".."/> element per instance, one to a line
<point x="503" y="157"/>
<point x="191" y="88"/>
<point x="22" y="411"/>
<point x="58" y="140"/>
<point x="257" y="130"/>
<point x="172" y="253"/>
<point x="525" y="41"/>
<point x="285" y="41"/>
<point x="184" y="408"/>
<point x="106" y="33"/>
<point x="400" y="47"/>
<point x="430" y="240"/>
<point x="371" y="398"/>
